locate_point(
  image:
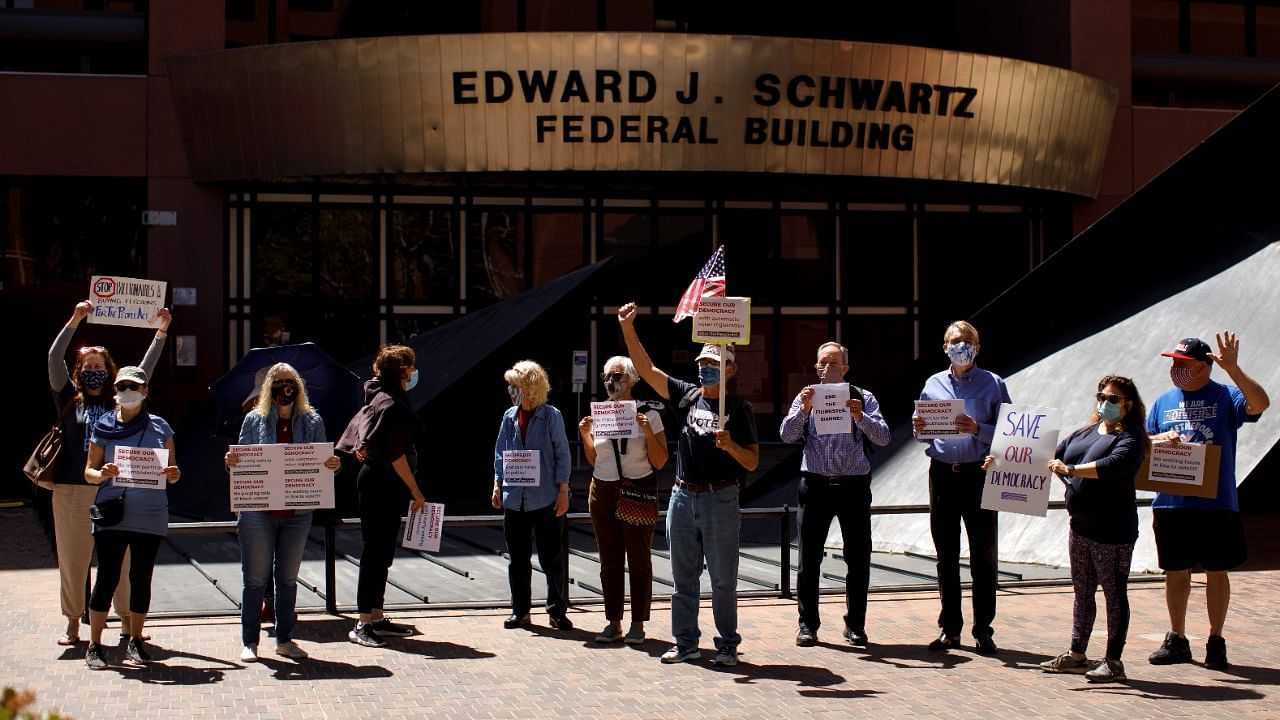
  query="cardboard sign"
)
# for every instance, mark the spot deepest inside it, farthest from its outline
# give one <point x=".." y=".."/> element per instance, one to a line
<point x="521" y="468"/>
<point x="939" y="418"/>
<point x="831" y="414"/>
<point x="1024" y="443"/>
<point x="282" y="476"/>
<point x="141" y="467"/>
<point x="723" y="320"/>
<point x="614" y="419"/>
<point x="125" y="301"/>
<point x="424" y="528"/>
<point x="1182" y="469"/>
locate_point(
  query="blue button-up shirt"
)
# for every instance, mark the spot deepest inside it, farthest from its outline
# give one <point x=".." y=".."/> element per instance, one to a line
<point x="546" y="435"/>
<point x="982" y="393"/>
<point x="839" y="453"/>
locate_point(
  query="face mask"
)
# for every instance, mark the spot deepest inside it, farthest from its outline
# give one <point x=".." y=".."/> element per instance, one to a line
<point x="413" y="380"/>
<point x="709" y="376"/>
<point x="1109" y="412"/>
<point x="615" y="388"/>
<point x="830" y="373"/>
<point x="962" y="353"/>
<point x="129" y="399"/>
<point x="93" y="379"/>
<point x="1183" y="377"/>
<point x="282" y="396"/>
<point x="517" y="395"/>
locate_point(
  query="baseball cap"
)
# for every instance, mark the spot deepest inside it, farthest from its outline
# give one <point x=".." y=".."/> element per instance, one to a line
<point x="1191" y="349"/>
<point x="131" y="373"/>
<point x="711" y="351"/>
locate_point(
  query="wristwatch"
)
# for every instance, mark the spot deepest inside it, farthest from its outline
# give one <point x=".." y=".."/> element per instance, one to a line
<point x="1071" y="471"/>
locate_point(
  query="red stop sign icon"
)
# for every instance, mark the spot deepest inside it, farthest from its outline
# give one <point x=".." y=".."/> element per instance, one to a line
<point x="104" y="287"/>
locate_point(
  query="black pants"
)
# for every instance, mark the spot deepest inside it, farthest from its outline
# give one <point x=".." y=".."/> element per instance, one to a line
<point x="111" y="545"/>
<point x="524" y="528"/>
<point x="849" y="499"/>
<point x="956" y="496"/>
<point x="384" y="500"/>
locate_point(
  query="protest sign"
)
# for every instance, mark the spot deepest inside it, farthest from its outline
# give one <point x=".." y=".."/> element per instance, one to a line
<point x="614" y="419"/>
<point x="1181" y="469"/>
<point x="1019" y="478"/>
<point x="125" y="301"/>
<point x="141" y="467"/>
<point x="723" y="320"/>
<point x="831" y="414"/>
<point x="422" y="531"/>
<point x="282" y="476"/>
<point x="521" y="468"/>
<point x="939" y="418"/>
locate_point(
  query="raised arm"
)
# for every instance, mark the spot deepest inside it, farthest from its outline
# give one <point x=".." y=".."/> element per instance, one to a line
<point x="649" y="372"/>
<point x="152" y="358"/>
<point x="1255" y="398"/>
<point x="58" y="376"/>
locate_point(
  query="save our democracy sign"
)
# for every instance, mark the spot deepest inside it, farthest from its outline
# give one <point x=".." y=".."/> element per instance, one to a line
<point x="1018" y="480"/>
<point x="125" y="301"/>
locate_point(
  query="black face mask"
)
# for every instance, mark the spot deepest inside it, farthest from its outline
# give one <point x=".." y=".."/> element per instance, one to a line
<point x="93" y="379"/>
<point x="283" y="395"/>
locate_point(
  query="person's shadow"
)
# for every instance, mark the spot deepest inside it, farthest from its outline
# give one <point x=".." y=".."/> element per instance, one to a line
<point x="1152" y="690"/>
<point x="314" y="669"/>
<point x="162" y="671"/>
<point x="435" y="649"/>
<point x="806" y="676"/>
<point x="905" y="656"/>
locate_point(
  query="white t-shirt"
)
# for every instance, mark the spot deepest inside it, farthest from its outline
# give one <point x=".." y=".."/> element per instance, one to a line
<point x="635" y="461"/>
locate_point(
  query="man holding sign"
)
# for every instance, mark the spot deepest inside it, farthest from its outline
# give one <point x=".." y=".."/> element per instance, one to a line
<point x="703" y="516"/>
<point x="1195" y="530"/>
<point x="956" y="482"/>
<point x="835" y="482"/>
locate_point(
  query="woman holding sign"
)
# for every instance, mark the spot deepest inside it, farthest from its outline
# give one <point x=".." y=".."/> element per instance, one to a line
<point x="531" y="486"/>
<point x="272" y="541"/>
<point x="126" y="476"/>
<point x="622" y="513"/>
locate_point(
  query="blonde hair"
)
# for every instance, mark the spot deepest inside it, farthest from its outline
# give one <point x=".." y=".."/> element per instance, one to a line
<point x="301" y="405"/>
<point x="964" y="327"/>
<point x="532" y="379"/>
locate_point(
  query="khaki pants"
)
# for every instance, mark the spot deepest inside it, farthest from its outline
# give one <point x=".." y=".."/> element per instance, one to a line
<point x="74" y="533"/>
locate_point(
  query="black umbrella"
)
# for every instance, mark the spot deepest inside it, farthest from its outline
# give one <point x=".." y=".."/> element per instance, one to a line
<point x="334" y="391"/>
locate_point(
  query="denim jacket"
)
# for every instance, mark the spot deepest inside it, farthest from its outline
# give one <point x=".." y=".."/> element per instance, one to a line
<point x="546" y="435"/>
<point x="261" y="430"/>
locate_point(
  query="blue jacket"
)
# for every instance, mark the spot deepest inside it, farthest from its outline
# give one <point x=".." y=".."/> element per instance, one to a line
<point x="546" y="435"/>
<point x="261" y="430"/>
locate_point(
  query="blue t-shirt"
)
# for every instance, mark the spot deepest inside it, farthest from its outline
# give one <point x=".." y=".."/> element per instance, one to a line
<point x="1211" y="414"/>
<point x="145" y="510"/>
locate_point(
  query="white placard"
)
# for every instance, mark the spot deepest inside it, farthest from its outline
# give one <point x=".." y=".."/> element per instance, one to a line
<point x="580" y="358"/>
<point x="521" y="468"/>
<point x="831" y="414"/>
<point x="1019" y="478"/>
<point x="1181" y="463"/>
<point x="939" y="418"/>
<point x="614" y="419"/>
<point x="723" y="320"/>
<point x="423" y="530"/>
<point x="282" y="476"/>
<point x="141" y="467"/>
<point x="125" y="301"/>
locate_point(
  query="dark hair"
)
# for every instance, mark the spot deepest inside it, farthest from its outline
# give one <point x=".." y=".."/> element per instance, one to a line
<point x="1135" y="420"/>
<point x="85" y="352"/>
<point x="392" y="361"/>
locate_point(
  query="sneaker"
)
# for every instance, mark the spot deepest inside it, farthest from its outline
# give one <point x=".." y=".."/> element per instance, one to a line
<point x="93" y="657"/>
<point x="944" y="642"/>
<point x="136" y="651"/>
<point x="364" y="635"/>
<point x="385" y="627"/>
<point x="806" y="637"/>
<point x="249" y="653"/>
<point x="609" y="634"/>
<point x="678" y="654"/>
<point x="1215" y="653"/>
<point x="635" y="636"/>
<point x="1107" y="670"/>
<point x="985" y="645"/>
<point x="1175" y="649"/>
<point x="290" y="649"/>
<point x="514" y="621"/>
<point x="725" y="657"/>
<point x="561" y="623"/>
<point x="1065" y="663"/>
<point x="856" y="637"/>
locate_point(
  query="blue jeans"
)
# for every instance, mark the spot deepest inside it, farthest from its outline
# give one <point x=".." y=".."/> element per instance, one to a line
<point x="704" y="525"/>
<point x="270" y="545"/>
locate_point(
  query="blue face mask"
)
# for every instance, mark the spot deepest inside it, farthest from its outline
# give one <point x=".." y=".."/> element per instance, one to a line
<point x="709" y="376"/>
<point x="1110" y="412"/>
<point x="93" y="379"/>
<point x="962" y="353"/>
<point x="413" y="380"/>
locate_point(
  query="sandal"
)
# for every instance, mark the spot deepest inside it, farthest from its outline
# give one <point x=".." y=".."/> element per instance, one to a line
<point x="67" y="640"/>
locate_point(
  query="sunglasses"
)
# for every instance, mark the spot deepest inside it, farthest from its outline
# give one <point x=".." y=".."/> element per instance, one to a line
<point x="613" y="376"/>
<point x="1109" y="398"/>
<point x="127" y="386"/>
<point x="92" y="349"/>
<point x="277" y="384"/>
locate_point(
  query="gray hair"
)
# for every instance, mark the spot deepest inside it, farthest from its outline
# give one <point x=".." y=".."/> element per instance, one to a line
<point x="844" y="351"/>
<point x="628" y="367"/>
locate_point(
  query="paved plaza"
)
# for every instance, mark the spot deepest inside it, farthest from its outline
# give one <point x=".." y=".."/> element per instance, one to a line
<point x="464" y="665"/>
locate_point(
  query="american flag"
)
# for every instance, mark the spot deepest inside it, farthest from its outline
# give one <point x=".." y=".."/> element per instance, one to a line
<point x="707" y="283"/>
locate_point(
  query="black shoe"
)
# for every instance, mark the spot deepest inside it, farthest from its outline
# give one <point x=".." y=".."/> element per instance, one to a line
<point x="384" y="627"/>
<point x="364" y="635"/>
<point x="93" y="657"/>
<point x="561" y="623"/>
<point x="856" y="637"/>
<point x="806" y="637"/>
<point x="985" y="645"/>
<point x="1175" y="649"/>
<point x="944" y="642"/>
<point x="137" y="652"/>
<point x="515" y="621"/>
<point x="1215" y="653"/>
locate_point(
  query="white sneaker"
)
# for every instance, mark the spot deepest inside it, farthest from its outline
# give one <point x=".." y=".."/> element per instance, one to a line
<point x="249" y="653"/>
<point x="290" y="650"/>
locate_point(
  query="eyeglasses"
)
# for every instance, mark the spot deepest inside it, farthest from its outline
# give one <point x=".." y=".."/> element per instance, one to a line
<point x="1109" y="398"/>
<point x="127" y="386"/>
<point x="613" y="376"/>
<point x="92" y="349"/>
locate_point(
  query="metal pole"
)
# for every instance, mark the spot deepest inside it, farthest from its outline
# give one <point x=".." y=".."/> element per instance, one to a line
<point x="784" y="544"/>
<point x="330" y="568"/>
<point x="564" y="559"/>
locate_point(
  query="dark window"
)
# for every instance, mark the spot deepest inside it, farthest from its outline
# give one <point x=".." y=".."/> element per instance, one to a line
<point x="557" y="245"/>
<point x="424" y="255"/>
<point x="241" y="10"/>
<point x="496" y="255"/>
<point x="876" y="258"/>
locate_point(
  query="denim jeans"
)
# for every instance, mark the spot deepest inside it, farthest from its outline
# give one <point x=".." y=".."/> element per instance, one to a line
<point x="270" y="545"/>
<point x="525" y="529"/>
<point x="706" y="525"/>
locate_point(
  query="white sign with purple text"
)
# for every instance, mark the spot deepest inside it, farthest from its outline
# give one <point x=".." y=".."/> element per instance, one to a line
<point x="1024" y="442"/>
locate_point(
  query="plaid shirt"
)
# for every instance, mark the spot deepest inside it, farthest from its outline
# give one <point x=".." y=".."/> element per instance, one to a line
<point x="841" y="453"/>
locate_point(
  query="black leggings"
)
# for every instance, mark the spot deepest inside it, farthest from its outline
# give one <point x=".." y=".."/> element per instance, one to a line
<point x="383" y="501"/>
<point x="143" y="549"/>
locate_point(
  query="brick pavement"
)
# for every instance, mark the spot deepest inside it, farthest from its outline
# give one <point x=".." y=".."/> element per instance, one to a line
<point x="464" y="665"/>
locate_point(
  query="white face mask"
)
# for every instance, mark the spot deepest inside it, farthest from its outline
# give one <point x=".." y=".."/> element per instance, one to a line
<point x="129" y="399"/>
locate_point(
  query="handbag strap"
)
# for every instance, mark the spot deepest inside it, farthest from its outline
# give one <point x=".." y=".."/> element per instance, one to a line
<point x="617" y="456"/>
<point x="65" y="409"/>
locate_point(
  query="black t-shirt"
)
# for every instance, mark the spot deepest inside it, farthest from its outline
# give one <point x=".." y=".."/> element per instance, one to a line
<point x="1102" y="509"/>
<point x="698" y="460"/>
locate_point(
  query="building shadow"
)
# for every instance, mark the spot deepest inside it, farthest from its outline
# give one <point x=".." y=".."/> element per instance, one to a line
<point x="314" y="669"/>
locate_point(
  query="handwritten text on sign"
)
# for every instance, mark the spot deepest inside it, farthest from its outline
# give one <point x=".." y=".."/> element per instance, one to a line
<point x="141" y="467"/>
<point x="125" y="301"/>
<point x="282" y="476"/>
<point x="521" y="468"/>
<point x="614" y="419"/>
<point x="723" y="320"/>
<point x="423" y="530"/>
<point x="831" y="415"/>
<point x="1024" y="443"/>
<point x="939" y="418"/>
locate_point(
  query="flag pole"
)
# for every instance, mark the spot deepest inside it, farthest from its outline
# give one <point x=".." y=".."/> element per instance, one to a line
<point x="724" y="385"/>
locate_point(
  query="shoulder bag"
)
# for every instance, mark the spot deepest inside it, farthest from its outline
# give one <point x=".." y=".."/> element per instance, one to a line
<point x="42" y="466"/>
